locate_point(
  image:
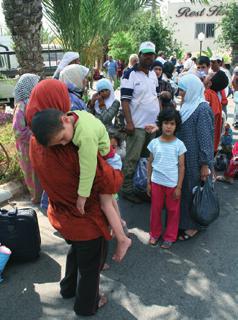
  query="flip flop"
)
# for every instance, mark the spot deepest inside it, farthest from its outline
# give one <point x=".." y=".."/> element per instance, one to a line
<point x="223" y="179"/>
<point x="102" y="301"/>
<point x="166" y="245"/>
<point x="153" y="242"/>
<point x="183" y="236"/>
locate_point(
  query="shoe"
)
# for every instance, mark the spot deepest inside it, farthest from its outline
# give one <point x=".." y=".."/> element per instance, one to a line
<point x="132" y="197"/>
<point x="153" y="242"/>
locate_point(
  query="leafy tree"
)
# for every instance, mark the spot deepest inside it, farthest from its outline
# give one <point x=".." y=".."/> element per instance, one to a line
<point x="23" y="19"/>
<point x="80" y="23"/>
<point x="145" y="27"/>
<point x="229" y="29"/>
<point x="121" y="45"/>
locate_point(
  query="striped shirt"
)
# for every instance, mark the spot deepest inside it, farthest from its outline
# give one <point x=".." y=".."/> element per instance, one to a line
<point x="166" y="159"/>
<point x="142" y="91"/>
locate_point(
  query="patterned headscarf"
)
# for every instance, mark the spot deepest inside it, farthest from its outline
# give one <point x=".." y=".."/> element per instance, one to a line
<point x="194" y="89"/>
<point x="24" y="86"/>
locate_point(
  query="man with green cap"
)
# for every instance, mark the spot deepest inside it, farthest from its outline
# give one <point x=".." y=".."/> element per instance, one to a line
<point x="139" y="98"/>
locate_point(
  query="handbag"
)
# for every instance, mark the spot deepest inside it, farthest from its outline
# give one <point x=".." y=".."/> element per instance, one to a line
<point x="205" y="206"/>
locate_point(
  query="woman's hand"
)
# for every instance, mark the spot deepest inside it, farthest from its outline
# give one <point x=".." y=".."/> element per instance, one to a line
<point x="177" y="193"/>
<point x="205" y="172"/>
<point x="149" y="189"/>
<point x="101" y="101"/>
<point x="151" y="128"/>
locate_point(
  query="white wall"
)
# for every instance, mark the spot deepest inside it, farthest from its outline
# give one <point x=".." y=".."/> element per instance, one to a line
<point x="184" y="29"/>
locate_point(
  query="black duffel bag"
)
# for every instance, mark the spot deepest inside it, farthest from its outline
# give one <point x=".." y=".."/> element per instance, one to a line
<point x="19" y="231"/>
<point x="205" y="207"/>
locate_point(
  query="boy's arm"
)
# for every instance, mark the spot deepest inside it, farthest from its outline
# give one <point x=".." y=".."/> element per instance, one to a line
<point x="149" y="172"/>
<point x="181" y="172"/>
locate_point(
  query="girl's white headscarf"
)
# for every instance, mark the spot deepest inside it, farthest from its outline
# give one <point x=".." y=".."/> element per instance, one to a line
<point x="68" y="57"/>
<point x="74" y="74"/>
<point x="105" y="84"/>
<point x="194" y="89"/>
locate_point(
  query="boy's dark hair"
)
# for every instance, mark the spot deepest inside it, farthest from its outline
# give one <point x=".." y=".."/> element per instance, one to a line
<point x="116" y="136"/>
<point x="169" y="114"/>
<point x="168" y="69"/>
<point x="45" y="124"/>
<point x="203" y="60"/>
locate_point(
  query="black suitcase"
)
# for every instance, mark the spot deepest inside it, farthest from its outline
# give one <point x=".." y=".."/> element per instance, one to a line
<point x="19" y="231"/>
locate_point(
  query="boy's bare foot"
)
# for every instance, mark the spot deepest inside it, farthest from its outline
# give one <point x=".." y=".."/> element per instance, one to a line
<point x="105" y="267"/>
<point x="121" y="250"/>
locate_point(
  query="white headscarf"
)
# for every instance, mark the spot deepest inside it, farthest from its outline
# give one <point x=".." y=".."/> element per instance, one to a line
<point x="105" y="84"/>
<point x="67" y="58"/>
<point x="194" y="89"/>
<point x="74" y="74"/>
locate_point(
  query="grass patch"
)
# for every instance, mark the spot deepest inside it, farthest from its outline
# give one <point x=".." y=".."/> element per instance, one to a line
<point x="8" y="141"/>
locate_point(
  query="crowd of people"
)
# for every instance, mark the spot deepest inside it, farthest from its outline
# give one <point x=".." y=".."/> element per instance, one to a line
<point x="171" y="115"/>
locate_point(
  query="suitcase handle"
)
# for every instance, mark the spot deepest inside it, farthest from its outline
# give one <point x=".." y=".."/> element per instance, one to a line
<point x="9" y="213"/>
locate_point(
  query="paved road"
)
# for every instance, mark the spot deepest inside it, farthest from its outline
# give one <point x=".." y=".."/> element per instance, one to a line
<point x="195" y="280"/>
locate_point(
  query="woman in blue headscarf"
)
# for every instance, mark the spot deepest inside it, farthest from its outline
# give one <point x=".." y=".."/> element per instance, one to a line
<point x="104" y="104"/>
<point x="197" y="133"/>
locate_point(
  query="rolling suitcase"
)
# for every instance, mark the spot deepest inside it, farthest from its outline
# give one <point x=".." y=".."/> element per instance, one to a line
<point x="19" y="231"/>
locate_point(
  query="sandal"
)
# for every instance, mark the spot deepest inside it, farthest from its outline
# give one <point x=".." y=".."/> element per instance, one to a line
<point x="183" y="236"/>
<point x="223" y="179"/>
<point x="153" y="241"/>
<point x="166" y="245"/>
<point x="102" y="300"/>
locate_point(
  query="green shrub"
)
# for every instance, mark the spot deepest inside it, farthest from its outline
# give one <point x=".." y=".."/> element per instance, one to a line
<point x="8" y="141"/>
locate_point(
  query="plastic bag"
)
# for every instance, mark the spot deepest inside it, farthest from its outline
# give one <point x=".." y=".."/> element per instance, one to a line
<point x="140" y="177"/>
<point x="221" y="162"/>
<point x="205" y="207"/>
<point x="4" y="257"/>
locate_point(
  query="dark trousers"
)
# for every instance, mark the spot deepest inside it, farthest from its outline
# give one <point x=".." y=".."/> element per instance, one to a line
<point x="84" y="262"/>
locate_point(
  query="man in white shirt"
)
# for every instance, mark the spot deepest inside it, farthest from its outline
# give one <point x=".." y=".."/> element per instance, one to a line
<point x="139" y="98"/>
<point x="188" y="64"/>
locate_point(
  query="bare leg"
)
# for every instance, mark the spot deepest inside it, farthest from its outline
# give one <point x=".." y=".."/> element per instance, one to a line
<point x="123" y="242"/>
<point x="115" y="205"/>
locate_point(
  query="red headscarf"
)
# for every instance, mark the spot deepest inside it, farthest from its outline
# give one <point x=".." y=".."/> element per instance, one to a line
<point x="49" y="93"/>
<point x="58" y="170"/>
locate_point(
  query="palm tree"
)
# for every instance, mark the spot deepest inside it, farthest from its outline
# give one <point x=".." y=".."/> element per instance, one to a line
<point x="23" y="19"/>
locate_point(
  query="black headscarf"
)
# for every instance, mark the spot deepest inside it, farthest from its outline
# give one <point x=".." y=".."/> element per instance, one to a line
<point x="219" y="81"/>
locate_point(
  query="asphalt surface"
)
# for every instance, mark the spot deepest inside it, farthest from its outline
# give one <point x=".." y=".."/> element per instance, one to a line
<point x="196" y="279"/>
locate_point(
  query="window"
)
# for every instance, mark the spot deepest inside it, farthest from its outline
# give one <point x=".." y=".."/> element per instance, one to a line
<point x="210" y="30"/>
<point x="200" y="27"/>
<point x="207" y="28"/>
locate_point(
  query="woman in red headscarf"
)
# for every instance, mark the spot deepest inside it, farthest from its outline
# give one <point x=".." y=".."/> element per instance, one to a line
<point x="58" y="170"/>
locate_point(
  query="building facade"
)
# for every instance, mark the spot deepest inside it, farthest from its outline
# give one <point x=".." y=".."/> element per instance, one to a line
<point x="188" y="20"/>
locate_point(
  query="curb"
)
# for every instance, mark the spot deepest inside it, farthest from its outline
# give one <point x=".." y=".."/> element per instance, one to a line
<point x="11" y="189"/>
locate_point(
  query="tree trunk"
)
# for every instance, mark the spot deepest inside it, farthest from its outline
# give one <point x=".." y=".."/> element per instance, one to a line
<point x="234" y="54"/>
<point x="23" y="18"/>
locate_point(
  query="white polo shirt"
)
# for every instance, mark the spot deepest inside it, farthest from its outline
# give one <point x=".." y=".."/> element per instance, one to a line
<point x="141" y="90"/>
